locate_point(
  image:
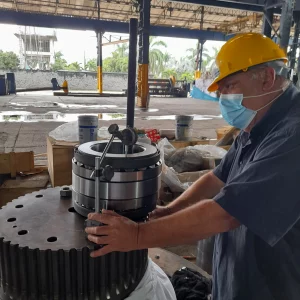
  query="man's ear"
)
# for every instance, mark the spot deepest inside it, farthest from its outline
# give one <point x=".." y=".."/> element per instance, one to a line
<point x="268" y="79"/>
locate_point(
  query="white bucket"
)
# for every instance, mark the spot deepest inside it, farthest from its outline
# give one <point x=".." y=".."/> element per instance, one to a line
<point x="88" y="127"/>
<point x="183" y="127"/>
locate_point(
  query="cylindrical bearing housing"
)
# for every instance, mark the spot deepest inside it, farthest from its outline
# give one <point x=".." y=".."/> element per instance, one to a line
<point x="134" y="188"/>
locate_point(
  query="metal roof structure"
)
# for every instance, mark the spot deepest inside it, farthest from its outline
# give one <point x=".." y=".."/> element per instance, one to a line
<point x="33" y="36"/>
<point x="176" y="14"/>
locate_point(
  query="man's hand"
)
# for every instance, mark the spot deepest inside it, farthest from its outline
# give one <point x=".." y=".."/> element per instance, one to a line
<point x="159" y="212"/>
<point x="119" y="233"/>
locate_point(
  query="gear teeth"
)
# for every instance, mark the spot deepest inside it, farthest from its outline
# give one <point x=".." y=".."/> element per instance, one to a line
<point x="59" y="272"/>
<point x="31" y="274"/>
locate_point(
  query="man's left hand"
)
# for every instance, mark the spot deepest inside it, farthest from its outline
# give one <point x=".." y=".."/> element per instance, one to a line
<point x="118" y="233"/>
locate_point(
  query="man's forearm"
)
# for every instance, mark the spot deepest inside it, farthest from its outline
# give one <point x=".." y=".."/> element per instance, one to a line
<point x="205" y="187"/>
<point x="194" y="223"/>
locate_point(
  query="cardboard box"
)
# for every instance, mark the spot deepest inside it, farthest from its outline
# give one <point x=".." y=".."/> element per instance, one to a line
<point x="60" y="156"/>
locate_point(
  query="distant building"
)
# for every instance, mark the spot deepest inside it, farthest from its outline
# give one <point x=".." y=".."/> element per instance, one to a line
<point x="36" y="50"/>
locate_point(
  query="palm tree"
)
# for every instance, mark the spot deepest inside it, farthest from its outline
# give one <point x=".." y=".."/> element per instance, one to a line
<point x="193" y="53"/>
<point x="169" y="72"/>
<point x="91" y="65"/>
<point x="207" y="58"/>
<point x="166" y="58"/>
<point x="74" y="66"/>
<point x="157" y="58"/>
<point x="121" y="51"/>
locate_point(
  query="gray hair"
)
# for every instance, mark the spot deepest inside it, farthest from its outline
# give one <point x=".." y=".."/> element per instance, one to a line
<point x="279" y="67"/>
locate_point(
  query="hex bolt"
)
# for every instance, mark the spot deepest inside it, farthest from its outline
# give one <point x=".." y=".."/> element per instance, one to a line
<point x="65" y="192"/>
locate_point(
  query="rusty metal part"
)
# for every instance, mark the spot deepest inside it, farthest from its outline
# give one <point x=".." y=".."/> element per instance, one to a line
<point x="44" y="254"/>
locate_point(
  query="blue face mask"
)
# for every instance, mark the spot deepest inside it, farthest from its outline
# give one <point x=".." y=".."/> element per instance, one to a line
<point x="235" y="113"/>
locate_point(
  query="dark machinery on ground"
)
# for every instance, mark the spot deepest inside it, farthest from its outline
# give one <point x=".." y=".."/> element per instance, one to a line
<point x="44" y="251"/>
<point x="168" y="87"/>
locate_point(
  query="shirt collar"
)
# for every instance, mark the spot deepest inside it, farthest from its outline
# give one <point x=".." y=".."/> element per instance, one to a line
<point x="276" y="112"/>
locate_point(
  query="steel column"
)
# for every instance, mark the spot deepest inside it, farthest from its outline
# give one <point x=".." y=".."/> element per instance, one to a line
<point x="201" y="55"/>
<point x="286" y="23"/>
<point x="99" y="62"/>
<point x="268" y="17"/>
<point x="99" y="55"/>
<point x="295" y="41"/>
<point x="133" y="25"/>
<point x="143" y="71"/>
<point x="200" y="51"/>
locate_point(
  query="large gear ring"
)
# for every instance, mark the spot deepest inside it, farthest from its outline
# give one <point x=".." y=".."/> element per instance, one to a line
<point x="44" y="254"/>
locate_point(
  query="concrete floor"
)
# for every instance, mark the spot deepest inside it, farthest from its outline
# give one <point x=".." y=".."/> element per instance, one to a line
<point x="26" y="119"/>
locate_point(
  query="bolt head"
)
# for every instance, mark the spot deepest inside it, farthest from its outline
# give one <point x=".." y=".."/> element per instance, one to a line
<point x="66" y="192"/>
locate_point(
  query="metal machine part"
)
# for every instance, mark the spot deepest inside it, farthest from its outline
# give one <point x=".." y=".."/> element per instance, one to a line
<point x="143" y="155"/>
<point x="133" y="188"/>
<point x="44" y="254"/>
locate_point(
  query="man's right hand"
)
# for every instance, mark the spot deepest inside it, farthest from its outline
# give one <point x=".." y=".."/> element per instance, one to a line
<point x="159" y="212"/>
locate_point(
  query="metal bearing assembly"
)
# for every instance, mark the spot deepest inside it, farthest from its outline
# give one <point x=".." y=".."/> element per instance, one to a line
<point x="131" y="191"/>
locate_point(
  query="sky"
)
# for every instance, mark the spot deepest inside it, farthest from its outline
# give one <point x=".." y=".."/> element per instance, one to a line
<point x="76" y="44"/>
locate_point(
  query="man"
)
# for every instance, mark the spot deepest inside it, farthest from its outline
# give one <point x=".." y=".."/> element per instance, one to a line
<point x="251" y="200"/>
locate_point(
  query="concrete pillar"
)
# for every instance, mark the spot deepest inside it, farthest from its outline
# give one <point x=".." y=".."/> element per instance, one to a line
<point x="286" y="23"/>
<point x="268" y="17"/>
<point x="143" y="68"/>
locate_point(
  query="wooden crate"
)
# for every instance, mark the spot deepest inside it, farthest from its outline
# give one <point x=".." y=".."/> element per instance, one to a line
<point x="221" y="132"/>
<point x="192" y="142"/>
<point x="13" y="188"/>
<point x="12" y="163"/>
<point x="60" y="156"/>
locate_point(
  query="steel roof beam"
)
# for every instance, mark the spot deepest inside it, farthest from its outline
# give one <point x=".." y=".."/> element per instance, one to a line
<point x="249" y="5"/>
<point x="76" y="23"/>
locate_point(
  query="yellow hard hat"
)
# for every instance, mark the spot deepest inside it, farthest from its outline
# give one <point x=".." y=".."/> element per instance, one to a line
<point x="243" y="51"/>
